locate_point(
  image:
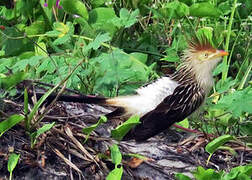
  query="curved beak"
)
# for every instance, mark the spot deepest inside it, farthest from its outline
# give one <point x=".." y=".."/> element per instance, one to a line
<point x="222" y="53"/>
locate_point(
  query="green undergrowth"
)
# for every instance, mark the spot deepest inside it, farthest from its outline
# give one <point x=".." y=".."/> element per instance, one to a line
<point x="110" y="48"/>
<point x="237" y="173"/>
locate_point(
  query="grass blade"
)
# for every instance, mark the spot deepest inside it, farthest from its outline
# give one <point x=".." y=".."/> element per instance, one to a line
<point x="9" y="123"/>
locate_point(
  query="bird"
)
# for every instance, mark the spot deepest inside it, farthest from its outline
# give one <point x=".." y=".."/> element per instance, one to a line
<point x="170" y="98"/>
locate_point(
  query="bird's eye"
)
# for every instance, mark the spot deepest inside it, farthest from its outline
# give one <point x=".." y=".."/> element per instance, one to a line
<point x="206" y="55"/>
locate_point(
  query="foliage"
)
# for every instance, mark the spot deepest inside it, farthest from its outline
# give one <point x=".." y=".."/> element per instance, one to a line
<point x="75" y="7"/>
<point x="122" y="45"/>
<point x="89" y="129"/>
<point x="40" y="131"/>
<point x="12" y="162"/>
<point x="116" y="157"/>
<point x="213" y="145"/>
<point x="240" y="172"/>
<point x="119" y="132"/>
<point x="216" y="144"/>
<point x="10" y="122"/>
<point x="124" y="128"/>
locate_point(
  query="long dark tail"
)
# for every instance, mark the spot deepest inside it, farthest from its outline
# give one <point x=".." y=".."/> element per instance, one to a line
<point x="78" y="98"/>
<point x="89" y="99"/>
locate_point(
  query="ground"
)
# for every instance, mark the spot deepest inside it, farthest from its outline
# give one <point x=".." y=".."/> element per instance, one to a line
<point x="62" y="154"/>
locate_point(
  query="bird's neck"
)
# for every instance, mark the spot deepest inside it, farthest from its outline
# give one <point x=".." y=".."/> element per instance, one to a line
<point x="196" y="72"/>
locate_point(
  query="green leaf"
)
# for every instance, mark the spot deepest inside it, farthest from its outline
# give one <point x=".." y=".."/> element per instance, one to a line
<point x="97" y="42"/>
<point x="116" y="155"/>
<point x="15" y="46"/>
<point x="62" y="28"/>
<point x="175" y="9"/>
<point x="53" y="33"/>
<point x="97" y="3"/>
<point x="10" y="122"/>
<point x="118" y="68"/>
<point x="227" y="148"/>
<point x="225" y="7"/>
<point x="224" y="86"/>
<point x="202" y="174"/>
<point x="75" y="7"/>
<point x="87" y="30"/>
<point x="65" y="31"/>
<point x="37" y="27"/>
<point x="25" y="101"/>
<point x="244" y="8"/>
<point x="219" y="68"/>
<point x="40" y="102"/>
<point x="124" y="128"/>
<point x="126" y="19"/>
<point x="115" y="174"/>
<point x="220" y="115"/>
<point x="27" y="55"/>
<point x="51" y="3"/>
<point x="46" y="65"/>
<point x="180" y="176"/>
<point x="243" y="177"/>
<point x="62" y="40"/>
<point x="100" y="20"/>
<point x="40" y="50"/>
<point x="116" y="158"/>
<point x="171" y="55"/>
<point x="184" y="123"/>
<point x="23" y="64"/>
<point x="26" y="110"/>
<point x="204" y="9"/>
<point x="237" y="172"/>
<point x="245" y="169"/>
<point x="40" y="131"/>
<point x="216" y="143"/>
<point x="12" y="80"/>
<point x="140" y="56"/>
<point x="246" y="128"/>
<point x="89" y="129"/>
<point x="241" y="101"/>
<point x="12" y="162"/>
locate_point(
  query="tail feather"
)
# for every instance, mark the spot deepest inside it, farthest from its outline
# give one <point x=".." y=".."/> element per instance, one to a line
<point x="89" y="99"/>
<point x="83" y="99"/>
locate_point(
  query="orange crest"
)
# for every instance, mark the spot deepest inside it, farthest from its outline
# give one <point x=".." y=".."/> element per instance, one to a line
<point x="202" y="44"/>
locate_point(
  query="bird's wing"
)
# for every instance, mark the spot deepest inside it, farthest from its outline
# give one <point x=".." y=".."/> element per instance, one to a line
<point x="174" y="108"/>
<point x="146" y="98"/>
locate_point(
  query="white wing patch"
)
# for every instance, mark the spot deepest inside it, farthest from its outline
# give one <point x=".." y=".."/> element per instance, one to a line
<point x="147" y="98"/>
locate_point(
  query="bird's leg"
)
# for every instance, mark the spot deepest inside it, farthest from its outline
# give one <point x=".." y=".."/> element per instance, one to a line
<point x="187" y="129"/>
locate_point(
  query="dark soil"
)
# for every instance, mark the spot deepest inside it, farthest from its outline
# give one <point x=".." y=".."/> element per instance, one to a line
<point x="61" y="154"/>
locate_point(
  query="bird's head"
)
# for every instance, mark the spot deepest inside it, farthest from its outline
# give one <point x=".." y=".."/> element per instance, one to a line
<point x="201" y="57"/>
<point x="202" y="51"/>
